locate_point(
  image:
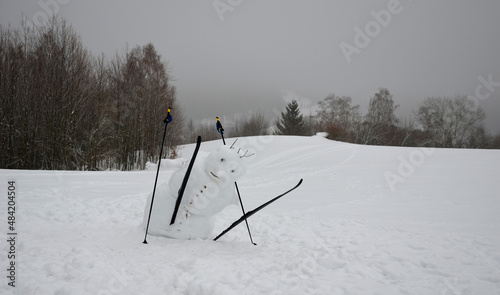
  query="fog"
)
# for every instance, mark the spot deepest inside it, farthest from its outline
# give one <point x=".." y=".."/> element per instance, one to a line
<point x="234" y="57"/>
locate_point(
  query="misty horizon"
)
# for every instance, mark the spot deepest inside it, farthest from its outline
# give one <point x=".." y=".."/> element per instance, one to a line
<point x="234" y="58"/>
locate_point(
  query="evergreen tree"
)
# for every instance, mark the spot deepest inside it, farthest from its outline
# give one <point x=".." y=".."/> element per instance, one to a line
<point x="292" y="122"/>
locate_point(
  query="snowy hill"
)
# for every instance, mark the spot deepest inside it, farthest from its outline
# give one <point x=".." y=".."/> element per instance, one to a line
<point x="366" y="220"/>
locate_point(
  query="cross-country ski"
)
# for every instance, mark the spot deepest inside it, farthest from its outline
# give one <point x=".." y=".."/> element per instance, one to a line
<point x="250" y="213"/>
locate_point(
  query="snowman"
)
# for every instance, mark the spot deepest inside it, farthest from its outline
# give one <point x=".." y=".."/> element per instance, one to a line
<point x="209" y="190"/>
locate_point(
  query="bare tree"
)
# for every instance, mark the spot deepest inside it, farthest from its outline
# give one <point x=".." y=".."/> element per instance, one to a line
<point x="380" y="121"/>
<point x="97" y="130"/>
<point x="142" y="93"/>
<point x="207" y="131"/>
<point x="63" y="109"/>
<point x="495" y="141"/>
<point x="255" y="125"/>
<point x="451" y="122"/>
<point x="381" y="110"/>
<point x="47" y="74"/>
<point x="190" y="133"/>
<point x="339" y="118"/>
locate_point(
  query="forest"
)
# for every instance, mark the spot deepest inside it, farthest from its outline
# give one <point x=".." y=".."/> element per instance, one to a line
<point x="62" y="108"/>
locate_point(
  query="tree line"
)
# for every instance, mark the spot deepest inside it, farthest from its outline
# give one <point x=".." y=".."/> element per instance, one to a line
<point x="62" y="108"/>
<point x="439" y="122"/>
<point x="445" y="122"/>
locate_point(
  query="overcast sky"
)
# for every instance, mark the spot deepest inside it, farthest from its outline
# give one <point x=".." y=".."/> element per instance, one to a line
<point x="236" y="56"/>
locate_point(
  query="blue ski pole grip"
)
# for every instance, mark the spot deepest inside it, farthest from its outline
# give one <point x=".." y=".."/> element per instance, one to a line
<point x="219" y="126"/>
<point x="168" y="118"/>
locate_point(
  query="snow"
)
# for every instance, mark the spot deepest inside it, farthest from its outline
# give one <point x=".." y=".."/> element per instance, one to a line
<point x="366" y="220"/>
<point x="209" y="189"/>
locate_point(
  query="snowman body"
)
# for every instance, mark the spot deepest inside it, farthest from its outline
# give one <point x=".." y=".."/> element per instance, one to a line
<point x="209" y="190"/>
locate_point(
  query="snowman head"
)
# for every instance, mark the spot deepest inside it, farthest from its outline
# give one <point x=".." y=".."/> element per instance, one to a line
<point x="226" y="164"/>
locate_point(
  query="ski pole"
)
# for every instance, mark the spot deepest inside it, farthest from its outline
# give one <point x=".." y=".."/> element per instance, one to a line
<point x="167" y="120"/>
<point x="250" y="213"/>
<point x="221" y="131"/>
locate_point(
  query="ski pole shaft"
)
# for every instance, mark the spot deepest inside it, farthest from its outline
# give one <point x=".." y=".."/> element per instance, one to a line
<point x="167" y="120"/>
<point x="250" y="213"/>
<point x="221" y="130"/>
<point x="243" y="210"/>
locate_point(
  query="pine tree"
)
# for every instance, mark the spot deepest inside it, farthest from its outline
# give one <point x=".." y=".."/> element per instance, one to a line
<point x="292" y="122"/>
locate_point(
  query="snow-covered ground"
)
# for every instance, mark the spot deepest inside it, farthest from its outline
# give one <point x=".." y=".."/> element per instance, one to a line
<point x="366" y="220"/>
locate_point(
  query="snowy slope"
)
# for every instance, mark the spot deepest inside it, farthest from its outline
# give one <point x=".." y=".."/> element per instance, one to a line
<point x="366" y="220"/>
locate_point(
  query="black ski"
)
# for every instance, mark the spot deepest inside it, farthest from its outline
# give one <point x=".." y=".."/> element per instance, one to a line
<point x="250" y="213"/>
<point x="221" y="131"/>
<point x="185" y="180"/>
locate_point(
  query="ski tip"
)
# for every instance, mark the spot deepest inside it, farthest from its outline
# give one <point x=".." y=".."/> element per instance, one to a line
<point x="300" y="182"/>
<point x="198" y="139"/>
